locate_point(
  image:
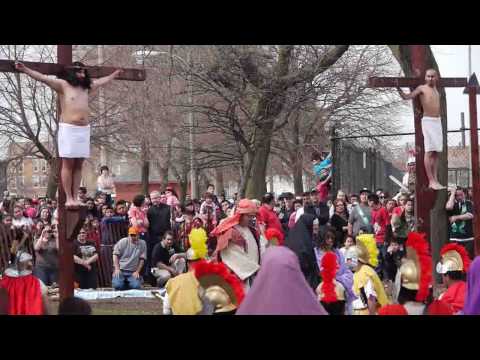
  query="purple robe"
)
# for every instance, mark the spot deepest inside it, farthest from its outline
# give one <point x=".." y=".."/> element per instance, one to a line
<point x="280" y="288"/>
<point x="472" y="298"/>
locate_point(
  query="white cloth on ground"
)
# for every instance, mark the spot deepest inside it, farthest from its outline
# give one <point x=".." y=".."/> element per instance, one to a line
<point x="432" y="134"/>
<point x="73" y="141"/>
<point x="90" y="294"/>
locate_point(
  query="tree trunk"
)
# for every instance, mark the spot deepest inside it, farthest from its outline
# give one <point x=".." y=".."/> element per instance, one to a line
<point x="256" y="186"/>
<point x="219" y="186"/>
<point x="145" y="176"/>
<point x="53" y="179"/>
<point x="298" y="175"/>
<point x="3" y="176"/>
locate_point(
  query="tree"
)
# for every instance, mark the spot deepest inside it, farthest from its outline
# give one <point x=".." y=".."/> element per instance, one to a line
<point x="240" y="93"/>
<point x="338" y="100"/>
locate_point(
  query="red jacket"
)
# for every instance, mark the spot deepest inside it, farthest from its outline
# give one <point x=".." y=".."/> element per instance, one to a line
<point x="455" y="296"/>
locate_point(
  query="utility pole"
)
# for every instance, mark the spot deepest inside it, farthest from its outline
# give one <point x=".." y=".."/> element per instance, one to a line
<point x="193" y="172"/>
<point x="469" y="61"/>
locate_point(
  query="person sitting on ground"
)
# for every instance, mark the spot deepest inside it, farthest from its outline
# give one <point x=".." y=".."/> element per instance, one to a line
<point x="167" y="260"/>
<point x="74" y="306"/>
<point x="85" y="257"/>
<point x="129" y="256"/>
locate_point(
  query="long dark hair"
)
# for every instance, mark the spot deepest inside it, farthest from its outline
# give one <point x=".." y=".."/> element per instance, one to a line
<point x="69" y="75"/>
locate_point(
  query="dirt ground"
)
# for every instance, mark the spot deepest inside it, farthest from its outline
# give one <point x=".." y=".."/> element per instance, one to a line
<point x="119" y="306"/>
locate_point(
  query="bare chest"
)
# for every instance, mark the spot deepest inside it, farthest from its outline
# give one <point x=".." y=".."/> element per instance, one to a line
<point x="430" y="96"/>
<point x="75" y="98"/>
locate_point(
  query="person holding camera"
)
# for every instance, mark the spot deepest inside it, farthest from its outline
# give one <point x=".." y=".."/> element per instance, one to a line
<point x="460" y="216"/>
<point x="46" y="256"/>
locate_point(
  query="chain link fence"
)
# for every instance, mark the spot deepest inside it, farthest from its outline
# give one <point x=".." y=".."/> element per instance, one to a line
<point x="369" y="161"/>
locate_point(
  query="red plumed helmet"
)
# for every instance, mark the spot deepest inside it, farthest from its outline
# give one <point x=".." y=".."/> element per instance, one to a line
<point x="392" y="309"/>
<point x="272" y="233"/>
<point x="329" y="270"/>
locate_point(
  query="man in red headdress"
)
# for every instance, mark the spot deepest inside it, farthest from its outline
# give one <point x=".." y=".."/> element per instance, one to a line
<point x="238" y="242"/>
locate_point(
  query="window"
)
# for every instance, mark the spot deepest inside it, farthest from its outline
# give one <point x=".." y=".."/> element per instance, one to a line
<point x="35" y="165"/>
<point x="44" y="165"/>
<point x="20" y="168"/>
<point x="119" y="170"/>
<point x="36" y="181"/>
<point x="43" y="181"/>
<point x="20" y="180"/>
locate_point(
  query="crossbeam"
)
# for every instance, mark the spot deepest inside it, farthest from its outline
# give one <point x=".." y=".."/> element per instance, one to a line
<point x="413" y="82"/>
<point x="56" y="69"/>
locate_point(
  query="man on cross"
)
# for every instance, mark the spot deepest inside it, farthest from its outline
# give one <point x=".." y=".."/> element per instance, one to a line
<point x="73" y="88"/>
<point x="431" y="124"/>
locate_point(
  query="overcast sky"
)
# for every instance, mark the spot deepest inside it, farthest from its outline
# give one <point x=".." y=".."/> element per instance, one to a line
<point x="453" y="62"/>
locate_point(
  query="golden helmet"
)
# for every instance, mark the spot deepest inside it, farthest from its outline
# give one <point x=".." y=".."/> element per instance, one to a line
<point x="416" y="268"/>
<point x="410" y="274"/>
<point x="454" y="257"/>
<point x="219" y="299"/>
<point x="222" y="288"/>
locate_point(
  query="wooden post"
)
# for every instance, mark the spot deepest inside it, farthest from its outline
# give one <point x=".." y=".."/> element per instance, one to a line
<point x="473" y="89"/>
<point x="66" y="267"/>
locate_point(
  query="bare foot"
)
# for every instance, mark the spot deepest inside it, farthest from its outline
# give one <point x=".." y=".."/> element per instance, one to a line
<point x="436" y="186"/>
<point x="71" y="204"/>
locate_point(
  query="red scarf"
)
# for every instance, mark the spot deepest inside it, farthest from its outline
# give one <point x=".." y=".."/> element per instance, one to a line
<point x="24" y="295"/>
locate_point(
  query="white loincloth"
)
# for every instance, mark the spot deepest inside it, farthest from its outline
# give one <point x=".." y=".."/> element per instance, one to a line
<point x="432" y="134"/>
<point x="73" y="141"/>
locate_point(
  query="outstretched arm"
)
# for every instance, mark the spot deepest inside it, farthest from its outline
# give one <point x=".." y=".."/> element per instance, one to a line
<point x="410" y="96"/>
<point x="55" y="84"/>
<point x="105" y="80"/>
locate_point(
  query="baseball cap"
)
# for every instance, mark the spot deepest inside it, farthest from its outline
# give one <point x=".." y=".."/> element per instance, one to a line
<point x="364" y="190"/>
<point x="132" y="230"/>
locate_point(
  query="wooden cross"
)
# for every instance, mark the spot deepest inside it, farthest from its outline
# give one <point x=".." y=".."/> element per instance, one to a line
<point x="425" y="197"/>
<point x="473" y="89"/>
<point x="69" y="222"/>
